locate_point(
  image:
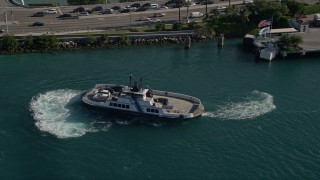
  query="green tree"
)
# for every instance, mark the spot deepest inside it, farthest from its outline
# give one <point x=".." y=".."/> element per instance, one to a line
<point x="193" y="25"/>
<point x="293" y="6"/>
<point x="124" y="39"/>
<point x="289" y="41"/>
<point x="91" y="40"/>
<point x="28" y="43"/>
<point x="53" y="42"/>
<point x="9" y="43"/>
<point x="177" y="26"/>
<point x="104" y="37"/>
<point x="46" y="42"/>
<point x="160" y="26"/>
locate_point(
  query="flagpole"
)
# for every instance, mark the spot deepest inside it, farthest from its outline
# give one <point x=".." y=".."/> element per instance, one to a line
<point x="271" y="25"/>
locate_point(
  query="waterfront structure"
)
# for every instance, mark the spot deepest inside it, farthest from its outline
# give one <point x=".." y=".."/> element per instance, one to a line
<point x="140" y="101"/>
<point x="300" y="22"/>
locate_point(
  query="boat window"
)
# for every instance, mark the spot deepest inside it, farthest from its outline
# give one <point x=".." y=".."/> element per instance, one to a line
<point x="119" y="105"/>
<point x="152" y="110"/>
<point x="127" y="106"/>
<point x="123" y="106"/>
<point x="148" y="110"/>
<point x="156" y="111"/>
<point x="111" y="104"/>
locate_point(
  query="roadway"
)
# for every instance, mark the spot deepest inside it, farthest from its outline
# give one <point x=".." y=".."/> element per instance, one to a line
<point x="19" y="19"/>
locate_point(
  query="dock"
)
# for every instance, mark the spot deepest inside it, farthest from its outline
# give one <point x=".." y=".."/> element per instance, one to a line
<point x="310" y="44"/>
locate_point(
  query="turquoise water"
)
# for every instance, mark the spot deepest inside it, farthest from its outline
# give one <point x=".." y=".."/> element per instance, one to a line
<point x="261" y="119"/>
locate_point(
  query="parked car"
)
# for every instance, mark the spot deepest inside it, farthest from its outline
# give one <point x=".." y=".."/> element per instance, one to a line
<point x="97" y="8"/>
<point x="207" y="2"/>
<point x="84" y="13"/>
<point x="195" y="15"/>
<point x="141" y="9"/>
<point x="137" y="5"/>
<point x="64" y="16"/>
<point x="146" y="5"/>
<point x="247" y="1"/>
<point x="38" y="14"/>
<point x="125" y="10"/>
<point x="154" y="6"/>
<point x="116" y="8"/>
<point x="51" y="11"/>
<point x="2" y="30"/>
<point x="79" y="9"/>
<point x="38" y="23"/>
<point x="221" y="8"/>
<point x="107" y="11"/>
<point x="164" y="7"/>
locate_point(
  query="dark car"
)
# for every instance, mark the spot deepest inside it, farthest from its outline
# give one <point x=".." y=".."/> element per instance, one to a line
<point x="38" y="14"/>
<point x="146" y="5"/>
<point x="207" y="2"/>
<point x="125" y="11"/>
<point x="97" y="8"/>
<point x="116" y="8"/>
<point x="38" y="24"/>
<point x="141" y="9"/>
<point x="64" y="16"/>
<point x="137" y="5"/>
<point x="79" y="9"/>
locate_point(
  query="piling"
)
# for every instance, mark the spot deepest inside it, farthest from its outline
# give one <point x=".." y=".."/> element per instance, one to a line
<point x="221" y="40"/>
<point x="187" y="43"/>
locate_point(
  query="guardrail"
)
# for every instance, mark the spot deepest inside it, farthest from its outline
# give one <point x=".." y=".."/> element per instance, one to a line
<point x="177" y="95"/>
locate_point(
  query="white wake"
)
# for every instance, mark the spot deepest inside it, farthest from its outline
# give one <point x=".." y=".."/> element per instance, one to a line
<point x="52" y="112"/>
<point x="254" y="105"/>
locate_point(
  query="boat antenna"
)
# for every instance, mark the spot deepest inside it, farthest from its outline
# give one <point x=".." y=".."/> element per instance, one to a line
<point x="130" y="78"/>
<point x="140" y="82"/>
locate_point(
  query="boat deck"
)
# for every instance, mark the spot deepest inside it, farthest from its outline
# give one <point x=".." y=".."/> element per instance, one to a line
<point x="182" y="105"/>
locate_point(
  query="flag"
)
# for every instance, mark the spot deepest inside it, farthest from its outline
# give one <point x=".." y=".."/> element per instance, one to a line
<point x="265" y="23"/>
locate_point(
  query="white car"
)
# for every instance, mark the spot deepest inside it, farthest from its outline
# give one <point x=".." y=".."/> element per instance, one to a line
<point x="85" y="13"/>
<point x="51" y="11"/>
<point x="164" y="7"/>
<point x="195" y="15"/>
<point x="247" y="1"/>
<point x="221" y="8"/>
<point x="159" y="14"/>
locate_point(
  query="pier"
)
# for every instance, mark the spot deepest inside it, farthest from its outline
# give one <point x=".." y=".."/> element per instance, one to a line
<point x="310" y="44"/>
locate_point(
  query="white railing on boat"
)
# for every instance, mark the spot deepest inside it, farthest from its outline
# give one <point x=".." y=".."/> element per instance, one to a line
<point x="177" y="95"/>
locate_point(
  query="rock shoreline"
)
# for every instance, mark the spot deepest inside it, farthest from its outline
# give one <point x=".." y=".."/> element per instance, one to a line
<point x="91" y="42"/>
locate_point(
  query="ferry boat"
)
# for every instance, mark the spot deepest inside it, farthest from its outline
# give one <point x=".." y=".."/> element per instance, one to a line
<point x="143" y="101"/>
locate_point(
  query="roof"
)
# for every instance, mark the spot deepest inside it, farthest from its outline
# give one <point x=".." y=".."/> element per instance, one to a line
<point x="303" y="22"/>
<point x="299" y="16"/>
<point x="283" y="30"/>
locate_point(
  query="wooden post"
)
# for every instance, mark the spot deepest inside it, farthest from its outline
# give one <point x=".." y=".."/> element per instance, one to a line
<point x="221" y="40"/>
<point x="187" y="42"/>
